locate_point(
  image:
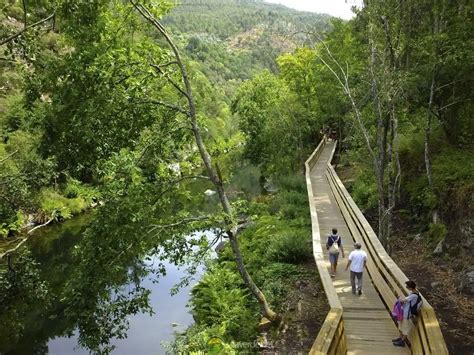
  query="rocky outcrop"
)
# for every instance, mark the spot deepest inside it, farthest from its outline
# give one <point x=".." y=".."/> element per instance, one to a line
<point x="466" y="233"/>
<point x="467" y="281"/>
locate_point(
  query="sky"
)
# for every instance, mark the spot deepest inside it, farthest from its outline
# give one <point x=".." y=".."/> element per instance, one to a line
<point x="337" y="8"/>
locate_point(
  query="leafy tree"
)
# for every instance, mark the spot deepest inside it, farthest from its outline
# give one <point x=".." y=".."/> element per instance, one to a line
<point x="270" y="112"/>
<point x="231" y="228"/>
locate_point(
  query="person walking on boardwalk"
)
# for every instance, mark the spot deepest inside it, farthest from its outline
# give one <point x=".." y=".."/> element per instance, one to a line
<point x="357" y="261"/>
<point x="411" y="305"/>
<point x="334" y="246"/>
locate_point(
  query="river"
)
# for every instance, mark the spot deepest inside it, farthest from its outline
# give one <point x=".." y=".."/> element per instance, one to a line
<point x="32" y="325"/>
<point x="52" y="248"/>
<point x="146" y="333"/>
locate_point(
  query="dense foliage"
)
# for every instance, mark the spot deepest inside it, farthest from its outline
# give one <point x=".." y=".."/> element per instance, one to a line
<point x="275" y="246"/>
<point x="92" y="97"/>
<point x="395" y="86"/>
<point x="70" y="90"/>
<point x="92" y="108"/>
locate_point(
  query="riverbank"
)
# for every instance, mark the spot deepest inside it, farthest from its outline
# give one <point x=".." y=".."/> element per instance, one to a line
<point x="277" y="251"/>
<point x="49" y="204"/>
<point x="54" y="206"/>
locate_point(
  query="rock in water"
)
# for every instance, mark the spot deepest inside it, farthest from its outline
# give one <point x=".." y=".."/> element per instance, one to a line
<point x="209" y="192"/>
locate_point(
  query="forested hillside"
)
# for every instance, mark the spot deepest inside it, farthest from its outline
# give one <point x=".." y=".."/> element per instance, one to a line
<point x="177" y="122"/>
<point x="234" y="40"/>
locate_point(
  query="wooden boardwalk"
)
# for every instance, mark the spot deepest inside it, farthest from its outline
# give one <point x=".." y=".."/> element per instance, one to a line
<point x="368" y="327"/>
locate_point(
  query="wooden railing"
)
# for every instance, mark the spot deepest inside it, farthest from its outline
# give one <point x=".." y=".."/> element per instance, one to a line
<point x="387" y="277"/>
<point x="331" y="338"/>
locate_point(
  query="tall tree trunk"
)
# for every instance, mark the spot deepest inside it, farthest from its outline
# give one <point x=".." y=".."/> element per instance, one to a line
<point x="380" y="160"/>
<point x="437" y="28"/>
<point x="429" y="172"/>
<point x="232" y="231"/>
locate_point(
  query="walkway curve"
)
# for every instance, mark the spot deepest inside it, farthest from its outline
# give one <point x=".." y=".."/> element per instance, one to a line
<point x="358" y="324"/>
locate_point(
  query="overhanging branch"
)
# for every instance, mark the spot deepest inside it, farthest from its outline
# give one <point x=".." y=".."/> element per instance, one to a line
<point x="164" y="104"/>
<point x="179" y="223"/>
<point x="26" y="28"/>
<point x="168" y="78"/>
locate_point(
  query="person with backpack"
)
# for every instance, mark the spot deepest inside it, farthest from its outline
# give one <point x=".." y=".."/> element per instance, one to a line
<point x="334" y="246"/>
<point x="411" y="306"/>
<point x="357" y="261"/>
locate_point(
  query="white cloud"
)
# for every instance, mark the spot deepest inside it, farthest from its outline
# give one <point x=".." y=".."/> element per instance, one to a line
<point x="337" y="8"/>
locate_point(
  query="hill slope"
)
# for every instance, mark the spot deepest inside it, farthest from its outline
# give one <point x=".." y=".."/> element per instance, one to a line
<point x="235" y="39"/>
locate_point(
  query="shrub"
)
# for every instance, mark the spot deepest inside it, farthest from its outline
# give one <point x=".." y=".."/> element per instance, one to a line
<point x="437" y="232"/>
<point x="56" y="206"/>
<point x="276" y="280"/>
<point x="290" y="247"/>
<point x="221" y="299"/>
<point x="290" y="204"/>
<point x="13" y="225"/>
<point x="74" y="189"/>
<point x="52" y="205"/>
<point x="364" y="191"/>
<point x="200" y="339"/>
<point x="293" y="182"/>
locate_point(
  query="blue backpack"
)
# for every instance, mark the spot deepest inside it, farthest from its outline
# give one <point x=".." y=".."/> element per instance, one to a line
<point x="415" y="308"/>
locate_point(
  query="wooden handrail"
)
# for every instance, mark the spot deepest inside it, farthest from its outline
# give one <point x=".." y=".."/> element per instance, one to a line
<point x="331" y="337"/>
<point x="388" y="278"/>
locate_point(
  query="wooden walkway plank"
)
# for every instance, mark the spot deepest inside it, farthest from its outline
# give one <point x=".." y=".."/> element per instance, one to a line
<point x="368" y="326"/>
<point x="358" y="324"/>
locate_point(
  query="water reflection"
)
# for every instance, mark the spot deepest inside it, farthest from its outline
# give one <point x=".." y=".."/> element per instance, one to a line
<point x="146" y="332"/>
<point x="46" y="325"/>
<point x="84" y="273"/>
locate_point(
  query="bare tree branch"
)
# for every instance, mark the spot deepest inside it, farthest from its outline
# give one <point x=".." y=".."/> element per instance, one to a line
<point x="168" y="78"/>
<point x="12" y="37"/>
<point x="179" y="223"/>
<point x="344" y="82"/>
<point x="450" y="83"/>
<point x="451" y="104"/>
<point x="41" y="225"/>
<point x="8" y="156"/>
<point x="24" y="240"/>
<point x="164" y="65"/>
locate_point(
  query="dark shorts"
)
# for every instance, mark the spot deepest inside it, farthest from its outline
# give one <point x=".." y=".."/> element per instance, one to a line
<point x="333" y="258"/>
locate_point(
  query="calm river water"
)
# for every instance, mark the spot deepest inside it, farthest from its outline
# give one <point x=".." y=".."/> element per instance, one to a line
<point x="146" y="332"/>
<point x="52" y="249"/>
<point x="42" y="328"/>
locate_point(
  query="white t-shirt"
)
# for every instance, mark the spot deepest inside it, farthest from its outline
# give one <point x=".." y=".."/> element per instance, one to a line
<point x="357" y="258"/>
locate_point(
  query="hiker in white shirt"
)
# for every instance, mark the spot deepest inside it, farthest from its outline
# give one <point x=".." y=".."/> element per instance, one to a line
<point x="357" y="261"/>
